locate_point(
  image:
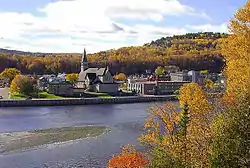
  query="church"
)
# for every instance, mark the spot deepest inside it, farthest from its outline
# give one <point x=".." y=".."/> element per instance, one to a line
<point x="96" y="79"/>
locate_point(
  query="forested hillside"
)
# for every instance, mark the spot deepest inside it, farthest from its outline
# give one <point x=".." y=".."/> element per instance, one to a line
<point x="191" y="51"/>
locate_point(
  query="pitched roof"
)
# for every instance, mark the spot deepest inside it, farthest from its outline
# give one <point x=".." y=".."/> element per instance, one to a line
<point x="60" y="83"/>
<point x="91" y="70"/>
<point x="95" y="71"/>
<point x="101" y="72"/>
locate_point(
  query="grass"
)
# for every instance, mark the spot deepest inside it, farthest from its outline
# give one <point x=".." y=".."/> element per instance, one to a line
<point x="47" y="95"/>
<point x="18" y="96"/>
<point x="95" y="94"/>
<point x="25" y="140"/>
<point x="41" y="95"/>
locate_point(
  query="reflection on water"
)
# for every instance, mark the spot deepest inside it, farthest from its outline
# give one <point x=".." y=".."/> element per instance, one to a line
<point x="125" y="120"/>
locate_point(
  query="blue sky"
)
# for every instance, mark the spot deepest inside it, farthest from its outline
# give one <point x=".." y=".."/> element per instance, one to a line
<point x="71" y="25"/>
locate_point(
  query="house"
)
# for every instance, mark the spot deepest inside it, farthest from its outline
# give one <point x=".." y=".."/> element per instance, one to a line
<point x="60" y="88"/>
<point x="180" y="76"/>
<point x="96" y="79"/>
<point x="44" y="81"/>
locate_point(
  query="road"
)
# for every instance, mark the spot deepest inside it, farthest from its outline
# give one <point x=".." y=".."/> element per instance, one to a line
<point x="4" y="92"/>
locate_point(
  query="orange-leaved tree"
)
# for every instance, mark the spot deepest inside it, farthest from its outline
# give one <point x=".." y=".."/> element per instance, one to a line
<point x="120" y="77"/>
<point x="129" y="158"/>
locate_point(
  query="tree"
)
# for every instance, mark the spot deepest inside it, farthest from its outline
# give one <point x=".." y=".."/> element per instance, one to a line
<point x="159" y="71"/>
<point x="9" y="74"/>
<point x="199" y="127"/>
<point x="22" y="84"/>
<point x="236" y="50"/>
<point x="209" y="84"/>
<point x="120" y="77"/>
<point x="183" y="137"/>
<point x="230" y="146"/>
<point x="73" y="78"/>
<point x="128" y="158"/>
<point x="231" y="129"/>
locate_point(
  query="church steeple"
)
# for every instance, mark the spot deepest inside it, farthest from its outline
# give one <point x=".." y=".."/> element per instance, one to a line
<point x="84" y="63"/>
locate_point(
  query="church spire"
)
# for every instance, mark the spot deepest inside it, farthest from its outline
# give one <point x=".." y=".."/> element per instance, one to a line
<point x="84" y="63"/>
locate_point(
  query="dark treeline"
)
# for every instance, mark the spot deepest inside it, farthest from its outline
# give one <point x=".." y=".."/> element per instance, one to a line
<point x="196" y="51"/>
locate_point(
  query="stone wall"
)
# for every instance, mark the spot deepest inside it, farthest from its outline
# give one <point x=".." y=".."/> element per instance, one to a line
<point x="84" y="101"/>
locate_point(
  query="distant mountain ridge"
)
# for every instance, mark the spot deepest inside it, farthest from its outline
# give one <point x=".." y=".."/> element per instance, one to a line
<point x="8" y="51"/>
<point x="18" y="52"/>
<point x="192" y="51"/>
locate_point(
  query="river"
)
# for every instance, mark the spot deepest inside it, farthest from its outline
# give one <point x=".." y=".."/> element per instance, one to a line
<point x="125" y="120"/>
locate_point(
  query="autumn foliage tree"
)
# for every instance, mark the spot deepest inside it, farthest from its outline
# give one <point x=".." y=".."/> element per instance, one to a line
<point x="22" y="84"/>
<point x="9" y="74"/>
<point x="182" y="136"/>
<point x="73" y="78"/>
<point x="230" y="146"/>
<point x="120" y="77"/>
<point x="236" y="50"/>
<point x="159" y="71"/>
<point x="129" y="158"/>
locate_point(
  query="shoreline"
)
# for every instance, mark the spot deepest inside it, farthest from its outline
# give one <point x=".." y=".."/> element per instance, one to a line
<point x="86" y="101"/>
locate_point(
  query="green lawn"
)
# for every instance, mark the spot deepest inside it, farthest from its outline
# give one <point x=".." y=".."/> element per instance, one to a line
<point x="41" y="95"/>
<point x="47" y="96"/>
<point x="95" y="94"/>
<point x="18" y="96"/>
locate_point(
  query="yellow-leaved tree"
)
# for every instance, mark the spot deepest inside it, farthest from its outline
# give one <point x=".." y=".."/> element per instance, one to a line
<point x="230" y="145"/>
<point x="121" y="77"/>
<point x="236" y="51"/>
<point x="9" y="74"/>
<point x="73" y="78"/>
<point x="181" y="137"/>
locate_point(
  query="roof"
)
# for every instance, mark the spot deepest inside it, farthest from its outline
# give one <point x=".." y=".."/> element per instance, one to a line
<point x="96" y="71"/>
<point x="82" y="75"/>
<point x="91" y="70"/>
<point x="60" y="83"/>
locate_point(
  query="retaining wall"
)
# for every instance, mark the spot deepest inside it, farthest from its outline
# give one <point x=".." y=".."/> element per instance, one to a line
<point x="84" y="101"/>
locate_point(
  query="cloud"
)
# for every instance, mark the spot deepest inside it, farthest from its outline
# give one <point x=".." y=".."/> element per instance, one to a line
<point x="69" y="25"/>
<point x="209" y="28"/>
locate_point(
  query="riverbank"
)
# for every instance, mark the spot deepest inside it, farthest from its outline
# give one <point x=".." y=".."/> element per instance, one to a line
<point x="25" y="140"/>
<point x="85" y="101"/>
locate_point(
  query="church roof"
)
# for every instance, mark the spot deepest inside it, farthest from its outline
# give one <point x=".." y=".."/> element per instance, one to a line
<point x="101" y="72"/>
<point x="93" y="71"/>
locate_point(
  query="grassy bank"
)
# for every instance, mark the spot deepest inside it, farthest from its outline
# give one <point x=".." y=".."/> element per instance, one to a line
<point x="23" y="140"/>
<point x="41" y="95"/>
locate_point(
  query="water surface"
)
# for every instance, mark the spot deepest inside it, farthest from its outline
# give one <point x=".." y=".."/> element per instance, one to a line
<point x="125" y="120"/>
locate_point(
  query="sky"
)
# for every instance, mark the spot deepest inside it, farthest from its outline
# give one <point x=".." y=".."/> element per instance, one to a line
<point x="98" y="25"/>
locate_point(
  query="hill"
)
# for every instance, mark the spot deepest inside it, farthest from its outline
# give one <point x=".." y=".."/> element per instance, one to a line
<point x="191" y="51"/>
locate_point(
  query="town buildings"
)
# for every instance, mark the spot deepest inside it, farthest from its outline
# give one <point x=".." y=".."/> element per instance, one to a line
<point x="61" y="88"/>
<point x="96" y="79"/>
<point x="55" y="84"/>
<point x="168" y="84"/>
